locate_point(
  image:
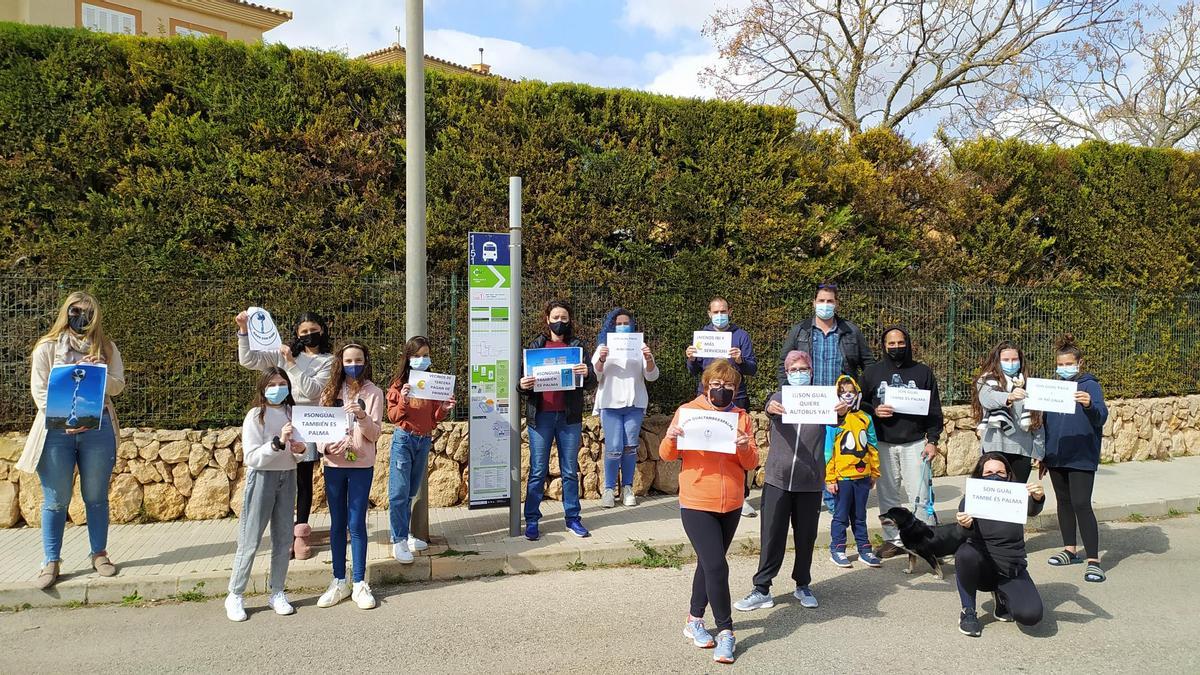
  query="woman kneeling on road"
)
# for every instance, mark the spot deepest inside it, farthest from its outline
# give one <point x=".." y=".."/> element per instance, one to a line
<point x="993" y="557"/>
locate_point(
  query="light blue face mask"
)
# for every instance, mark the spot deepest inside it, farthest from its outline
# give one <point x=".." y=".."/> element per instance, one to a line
<point x="720" y="320"/>
<point x="623" y="328"/>
<point x="276" y="394"/>
<point x="800" y="379"/>
<point x="1010" y="368"/>
<point x="825" y="310"/>
<point x="420" y="362"/>
<point x="1067" y="372"/>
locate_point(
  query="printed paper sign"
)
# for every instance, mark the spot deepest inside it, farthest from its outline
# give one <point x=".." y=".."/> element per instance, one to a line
<point x="997" y="500"/>
<point x="625" y="347"/>
<point x="554" y="378"/>
<point x="1051" y="395"/>
<point x="75" y="396"/>
<point x="907" y="401"/>
<point x="708" y="430"/>
<point x="264" y="336"/>
<point x="547" y="365"/>
<point x="316" y="424"/>
<point x="711" y="344"/>
<point x="431" y="386"/>
<point x="809" y="405"/>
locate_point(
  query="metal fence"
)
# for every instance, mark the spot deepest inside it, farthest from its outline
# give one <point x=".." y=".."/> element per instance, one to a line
<point x="177" y="335"/>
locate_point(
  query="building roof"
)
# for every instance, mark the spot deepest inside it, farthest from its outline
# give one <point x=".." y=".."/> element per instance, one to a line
<point x="250" y="13"/>
<point x="396" y="54"/>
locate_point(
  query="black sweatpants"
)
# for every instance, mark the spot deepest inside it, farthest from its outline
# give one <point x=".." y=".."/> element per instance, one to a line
<point x="304" y="490"/>
<point x="1021" y="465"/>
<point x="1073" y="491"/>
<point x="975" y="571"/>
<point x="780" y="508"/>
<point x="711" y="534"/>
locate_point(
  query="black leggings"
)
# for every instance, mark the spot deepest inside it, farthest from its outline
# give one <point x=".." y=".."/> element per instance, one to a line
<point x="1073" y="490"/>
<point x="781" y="508"/>
<point x="1021" y="465"/>
<point x="975" y="571"/>
<point x="711" y="534"/>
<point x="304" y="490"/>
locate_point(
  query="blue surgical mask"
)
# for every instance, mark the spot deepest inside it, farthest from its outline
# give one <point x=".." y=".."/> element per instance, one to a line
<point x="354" y="372"/>
<point x="623" y="328"/>
<point x="800" y="379"/>
<point x="1010" y="368"/>
<point x="825" y="310"/>
<point x="276" y="393"/>
<point x="420" y="362"/>
<point x="720" y="320"/>
<point x="1067" y="372"/>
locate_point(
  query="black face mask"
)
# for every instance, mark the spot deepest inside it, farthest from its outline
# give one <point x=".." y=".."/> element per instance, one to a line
<point x="561" y="328"/>
<point x="720" y="397"/>
<point x="898" y="354"/>
<point x="79" y="322"/>
<point x="995" y="476"/>
<point x="310" y="339"/>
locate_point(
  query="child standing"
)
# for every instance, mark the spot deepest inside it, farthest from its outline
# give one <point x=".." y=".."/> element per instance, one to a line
<point x="851" y="467"/>
<point x="412" y="439"/>
<point x="270" y="494"/>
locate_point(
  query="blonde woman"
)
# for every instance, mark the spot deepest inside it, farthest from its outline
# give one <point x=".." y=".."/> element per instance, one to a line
<point x="77" y="336"/>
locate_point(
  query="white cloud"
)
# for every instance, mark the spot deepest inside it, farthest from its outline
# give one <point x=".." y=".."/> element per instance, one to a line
<point x="679" y="74"/>
<point x="667" y="17"/>
<point x="517" y="60"/>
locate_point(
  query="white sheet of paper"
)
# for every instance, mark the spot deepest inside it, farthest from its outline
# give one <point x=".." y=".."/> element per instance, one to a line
<point x="317" y="424"/>
<point x="907" y="401"/>
<point x="708" y="430"/>
<point x="431" y="386"/>
<point x="264" y="336"/>
<point x="1051" y="395"/>
<point x="625" y="347"/>
<point x="809" y="405"/>
<point x="997" y="500"/>
<point x="554" y="378"/>
<point x="711" y="344"/>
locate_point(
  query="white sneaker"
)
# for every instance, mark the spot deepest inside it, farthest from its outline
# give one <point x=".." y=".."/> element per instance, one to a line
<point x="400" y="552"/>
<point x="280" y="604"/>
<point x="338" y="591"/>
<point x="628" y="499"/>
<point x="234" y="608"/>
<point x="415" y="544"/>
<point x="748" y="510"/>
<point x="362" y="595"/>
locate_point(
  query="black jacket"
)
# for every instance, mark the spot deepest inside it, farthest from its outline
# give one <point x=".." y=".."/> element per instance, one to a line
<point x="911" y="374"/>
<point x="854" y="345"/>
<point x="796" y="455"/>
<point x="1003" y="543"/>
<point x="573" y="398"/>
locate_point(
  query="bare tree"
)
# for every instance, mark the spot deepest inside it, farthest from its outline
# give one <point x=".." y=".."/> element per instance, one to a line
<point x="1136" y="80"/>
<point x="862" y="63"/>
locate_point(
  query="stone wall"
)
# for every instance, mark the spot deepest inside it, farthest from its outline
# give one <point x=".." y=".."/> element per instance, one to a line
<point x="164" y="475"/>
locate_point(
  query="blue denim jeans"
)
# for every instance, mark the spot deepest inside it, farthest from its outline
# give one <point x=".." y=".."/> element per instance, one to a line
<point x="347" y="491"/>
<point x="621" y="429"/>
<point x="95" y="452"/>
<point x="547" y="428"/>
<point x="409" y="460"/>
<point x="851" y="510"/>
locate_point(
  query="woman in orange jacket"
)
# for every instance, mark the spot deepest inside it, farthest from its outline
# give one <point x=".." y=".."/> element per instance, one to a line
<point x="710" y="501"/>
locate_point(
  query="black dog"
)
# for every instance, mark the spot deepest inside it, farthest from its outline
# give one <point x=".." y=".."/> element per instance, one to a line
<point x="919" y="539"/>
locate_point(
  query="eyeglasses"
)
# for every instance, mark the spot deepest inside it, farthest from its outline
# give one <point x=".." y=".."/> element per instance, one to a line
<point x="721" y="384"/>
<point x="800" y="370"/>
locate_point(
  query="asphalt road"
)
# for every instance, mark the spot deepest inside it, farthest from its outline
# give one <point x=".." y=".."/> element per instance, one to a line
<point x="630" y="620"/>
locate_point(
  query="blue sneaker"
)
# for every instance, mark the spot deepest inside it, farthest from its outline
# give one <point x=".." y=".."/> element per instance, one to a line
<point x="531" y="532"/>
<point x="725" y="645"/>
<point x="869" y="558"/>
<point x="576" y="527"/>
<point x="756" y="600"/>
<point x="695" y="631"/>
<point x="805" y="595"/>
<point x="839" y="558"/>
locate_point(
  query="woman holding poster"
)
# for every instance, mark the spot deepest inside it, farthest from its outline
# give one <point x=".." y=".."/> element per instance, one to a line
<point x="77" y="336"/>
<point x="1072" y="457"/>
<point x="1005" y="425"/>
<point x="621" y="399"/>
<point x="710" y="497"/>
<point x="307" y="361"/>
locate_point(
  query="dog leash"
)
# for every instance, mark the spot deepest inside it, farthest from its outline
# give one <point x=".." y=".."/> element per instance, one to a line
<point x="927" y="482"/>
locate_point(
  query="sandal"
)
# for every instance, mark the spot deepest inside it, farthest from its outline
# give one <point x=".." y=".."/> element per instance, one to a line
<point x="1065" y="557"/>
<point x="103" y="565"/>
<point x="1093" y="573"/>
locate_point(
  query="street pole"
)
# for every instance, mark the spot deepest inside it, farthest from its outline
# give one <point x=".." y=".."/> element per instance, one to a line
<point x="416" y="313"/>
<point x="514" y="337"/>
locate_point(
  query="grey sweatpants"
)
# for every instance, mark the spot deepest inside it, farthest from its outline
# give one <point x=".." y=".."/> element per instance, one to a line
<point x="270" y="496"/>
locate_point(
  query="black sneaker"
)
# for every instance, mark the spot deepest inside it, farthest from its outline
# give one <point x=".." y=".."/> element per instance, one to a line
<point x="968" y="623"/>
<point x="1000" y="609"/>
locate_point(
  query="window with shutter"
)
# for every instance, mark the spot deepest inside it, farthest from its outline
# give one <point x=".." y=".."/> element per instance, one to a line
<point x="105" y="20"/>
<point x="188" y="32"/>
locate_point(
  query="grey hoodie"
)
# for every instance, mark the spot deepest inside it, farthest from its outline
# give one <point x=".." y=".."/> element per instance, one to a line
<point x="796" y="459"/>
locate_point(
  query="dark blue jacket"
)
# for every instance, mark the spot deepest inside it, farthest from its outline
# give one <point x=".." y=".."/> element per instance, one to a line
<point x="748" y="366"/>
<point x="1073" y="441"/>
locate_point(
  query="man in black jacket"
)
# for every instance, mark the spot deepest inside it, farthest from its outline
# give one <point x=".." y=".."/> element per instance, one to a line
<point x="906" y="441"/>
<point x="836" y="346"/>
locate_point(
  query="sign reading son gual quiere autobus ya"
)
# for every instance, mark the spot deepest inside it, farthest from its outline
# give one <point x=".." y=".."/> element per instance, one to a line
<point x="708" y="430"/>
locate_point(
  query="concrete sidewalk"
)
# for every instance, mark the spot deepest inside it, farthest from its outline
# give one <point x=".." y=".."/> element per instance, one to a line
<point x="162" y="559"/>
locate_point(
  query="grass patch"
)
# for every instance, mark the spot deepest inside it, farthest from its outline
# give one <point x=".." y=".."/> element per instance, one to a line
<point x="1174" y="513"/>
<point x="15" y="608"/>
<point x="134" y="599"/>
<point x="74" y="604"/>
<point x="876" y="540"/>
<point x="454" y="553"/>
<point x="194" y="595"/>
<point x="1135" y="518"/>
<point x="576" y="565"/>
<point x="750" y="548"/>
<point x="652" y="558"/>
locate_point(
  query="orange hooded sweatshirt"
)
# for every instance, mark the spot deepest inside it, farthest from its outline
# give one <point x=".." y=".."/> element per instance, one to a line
<point x="712" y="481"/>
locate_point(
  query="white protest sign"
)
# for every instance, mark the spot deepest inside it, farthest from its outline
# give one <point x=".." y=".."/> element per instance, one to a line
<point x="907" y="401"/>
<point x="1051" y="395"/>
<point x="554" y="378"/>
<point x="708" y="430"/>
<point x="712" y="344"/>
<point x="316" y="424"/>
<point x="264" y="336"/>
<point x="809" y="405"/>
<point x="625" y="347"/>
<point x="431" y="386"/>
<point x="997" y="500"/>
